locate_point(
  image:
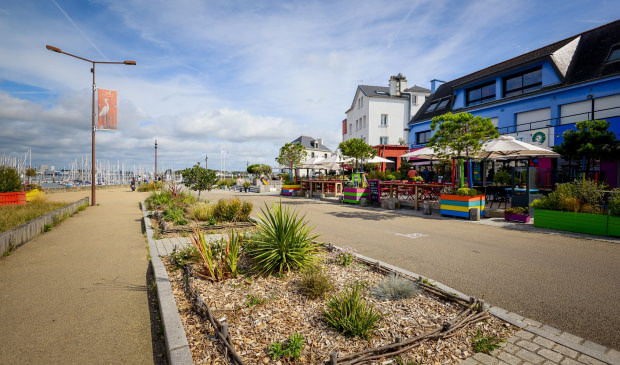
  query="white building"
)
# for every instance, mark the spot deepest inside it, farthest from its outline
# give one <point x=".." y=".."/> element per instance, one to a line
<point x="314" y="148"/>
<point x="380" y="115"/>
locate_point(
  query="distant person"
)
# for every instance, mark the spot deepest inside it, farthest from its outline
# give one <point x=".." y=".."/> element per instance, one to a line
<point x="425" y="174"/>
<point x="412" y="173"/>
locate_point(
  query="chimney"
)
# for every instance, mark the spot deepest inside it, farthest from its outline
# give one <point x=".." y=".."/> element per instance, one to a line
<point x="394" y="86"/>
<point x="435" y="84"/>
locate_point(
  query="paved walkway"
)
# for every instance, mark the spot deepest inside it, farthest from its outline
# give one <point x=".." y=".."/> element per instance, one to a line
<point x="77" y="294"/>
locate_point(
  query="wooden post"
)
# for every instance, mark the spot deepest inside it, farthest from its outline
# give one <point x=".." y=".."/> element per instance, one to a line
<point x="333" y="358"/>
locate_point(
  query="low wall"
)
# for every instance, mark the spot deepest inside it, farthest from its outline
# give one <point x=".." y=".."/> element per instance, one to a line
<point x="19" y="235"/>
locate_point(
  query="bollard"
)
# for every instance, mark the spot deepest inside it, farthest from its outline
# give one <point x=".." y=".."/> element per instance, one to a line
<point x="333" y="358"/>
<point x="474" y="214"/>
<point x="428" y="208"/>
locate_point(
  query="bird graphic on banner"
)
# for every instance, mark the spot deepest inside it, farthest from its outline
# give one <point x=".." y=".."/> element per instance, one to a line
<point x="104" y="112"/>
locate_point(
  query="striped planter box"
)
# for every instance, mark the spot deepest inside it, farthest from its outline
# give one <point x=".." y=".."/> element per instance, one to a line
<point x="354" y="195"/>
<point x="16" y="198"/>
<point x="290" y="189"/>
<point x="613" y="226"/>
<point x="458" y="206"/>
<point x="573" y="222"/>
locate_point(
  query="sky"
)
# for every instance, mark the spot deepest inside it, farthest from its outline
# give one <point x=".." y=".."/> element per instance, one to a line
<point x="236" y="80"/>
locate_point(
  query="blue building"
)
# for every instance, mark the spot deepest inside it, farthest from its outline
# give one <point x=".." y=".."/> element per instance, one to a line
<point x="537" y="96"/>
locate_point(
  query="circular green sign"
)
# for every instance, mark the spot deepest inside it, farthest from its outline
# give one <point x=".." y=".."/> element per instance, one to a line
<point x="539" y="137"/>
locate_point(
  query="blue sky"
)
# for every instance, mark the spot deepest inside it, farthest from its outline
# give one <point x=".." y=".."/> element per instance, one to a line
<point x="240" y="76"/>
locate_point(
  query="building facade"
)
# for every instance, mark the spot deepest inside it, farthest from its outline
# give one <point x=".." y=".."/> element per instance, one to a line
<point x="379" y="115"/>
<point x="537" y="96"/>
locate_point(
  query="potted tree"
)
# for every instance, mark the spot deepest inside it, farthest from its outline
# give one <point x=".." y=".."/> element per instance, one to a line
<point x="11" y="187"/>
<point x="458" y="202"/>
<point x="291" y="154"/>
<point x="359" y="150"/>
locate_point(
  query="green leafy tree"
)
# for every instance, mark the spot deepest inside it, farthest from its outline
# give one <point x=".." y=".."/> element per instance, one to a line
<point x="259" y="170"/>
<point x="358" y="149"/>
<point x="9" y="180"/>
<point x="31" y="173"/>
<point x="592" y="140"/>
<point x="460" y="135"/>
<point x="198" y="178"/>
<point x="291" y="154"/>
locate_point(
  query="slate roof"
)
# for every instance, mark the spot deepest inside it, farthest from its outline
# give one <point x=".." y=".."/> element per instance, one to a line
<point x="576" y="62"/>
<point x="418" y="89"/>
<point x="307" y="143"/>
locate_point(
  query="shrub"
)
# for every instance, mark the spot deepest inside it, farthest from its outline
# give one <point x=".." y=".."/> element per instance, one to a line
<point x="395" y="287"/>
<point x="187" y="254"/>
<point x="614" y="203"/>
<point x="466" y="192"/>
<point x="282" y="242"/>
<point x="158" y="200"/>
<point x="502" y="177"/>
<point x="290" y="349"/>
<point x="150" y="187"/>
<point x="344" y="257"/>
<point x="485" y="344"/>
<point x="232" y="210"/>
<point x="350" y="314"/>
<point x="174" y="214"/>
<point x="578" y="196"/>
<point x="390" y="177"/>
<point x="517" y="210"/>
<point x="314" y="283"/>
<point x="9" y="180"/>
<point x="202" y="211"/>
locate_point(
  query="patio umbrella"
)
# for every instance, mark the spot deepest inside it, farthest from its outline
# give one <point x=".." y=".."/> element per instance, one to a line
<point x="378" y="159"/>
<point x="424" y="153"/>
<point x="508" y="146"/>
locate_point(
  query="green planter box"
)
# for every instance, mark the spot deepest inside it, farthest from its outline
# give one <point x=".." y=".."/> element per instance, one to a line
<point x="613" y="226"/>
<point x="573" y="222"/>
<point x="354" y="195"/>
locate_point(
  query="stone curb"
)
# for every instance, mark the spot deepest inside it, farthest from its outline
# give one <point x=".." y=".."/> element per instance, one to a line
<point x="177" y="347"/>
<point x="591" y="349"/>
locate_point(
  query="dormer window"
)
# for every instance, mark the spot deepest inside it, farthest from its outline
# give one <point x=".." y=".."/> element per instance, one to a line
<point x="523" y="82"/>
<point x="433" y="106"/>
<point x="481" y="94"/>
<point x="443" y="102"/>
<point x="614" y="55"/>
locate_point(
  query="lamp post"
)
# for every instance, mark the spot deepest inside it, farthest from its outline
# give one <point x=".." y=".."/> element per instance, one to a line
<point x="206" y="159"/>
<point x="93" y="168"/>
<point x="155" y="161"/>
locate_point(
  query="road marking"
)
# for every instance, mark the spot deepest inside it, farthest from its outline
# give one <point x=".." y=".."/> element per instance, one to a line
<point x="412" y="235"/>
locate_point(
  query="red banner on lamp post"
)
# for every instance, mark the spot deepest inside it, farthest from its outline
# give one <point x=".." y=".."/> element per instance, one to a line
<point x="106" y="116"/>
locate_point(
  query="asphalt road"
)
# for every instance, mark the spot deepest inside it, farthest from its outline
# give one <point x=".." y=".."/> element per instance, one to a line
<point x="569" y="283"/>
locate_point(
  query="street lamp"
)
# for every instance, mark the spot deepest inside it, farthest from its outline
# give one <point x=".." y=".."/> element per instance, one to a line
<point x="206" y="159"/>
<point x="132" y="63"/>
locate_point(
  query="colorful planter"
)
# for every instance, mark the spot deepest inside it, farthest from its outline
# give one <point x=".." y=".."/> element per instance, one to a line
<point x="572" y="222"/>
<point x="290" y="189"/>
<point x="355" y="195"/>
<point x="32" y="193"/>
<point x="16" y="198"/>
<point x="613" y="226"/>
<point x="458" y="206"/>
<point x="523" y="218"/>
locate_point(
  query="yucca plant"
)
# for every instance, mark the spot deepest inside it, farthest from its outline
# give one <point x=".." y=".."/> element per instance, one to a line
<point x="232" y="251"/>
<point x="283" y="242"/>
<point x="350" y="314"/>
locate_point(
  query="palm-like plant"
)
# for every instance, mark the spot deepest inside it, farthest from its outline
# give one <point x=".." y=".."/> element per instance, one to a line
<point x="283" y="242"/>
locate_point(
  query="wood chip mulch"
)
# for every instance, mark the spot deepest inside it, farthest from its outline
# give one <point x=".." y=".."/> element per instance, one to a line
<point x="286" y="310"/>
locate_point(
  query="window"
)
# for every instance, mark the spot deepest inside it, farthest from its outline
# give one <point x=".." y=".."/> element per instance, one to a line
<point x="414" y="99"/>
<point x="423" y="137"/>
<point x="481" y="94"/>
<point x="614" y="55"/>
<point x="350" y="127"/>
<point x="364" y="122"/>
<point x="383" y="140"/>
<point x="384" y="120"/>
<point x="312" y="155"/>
<point x="524" y="82"/>
<point x="433" y="106"/>
<point x="443" y="103"/>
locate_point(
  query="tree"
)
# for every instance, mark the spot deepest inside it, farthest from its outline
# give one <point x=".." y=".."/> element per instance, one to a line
<point x="590" y="140"/>
<point x="198" y="178"/>
<point x="258" y="170"/>
<point x="358" y="149"/>
<point x="460" y="135"/>
<point x="9" y="180"/>
<point x="31" y="173"/>
<point x="291" y="154"/>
